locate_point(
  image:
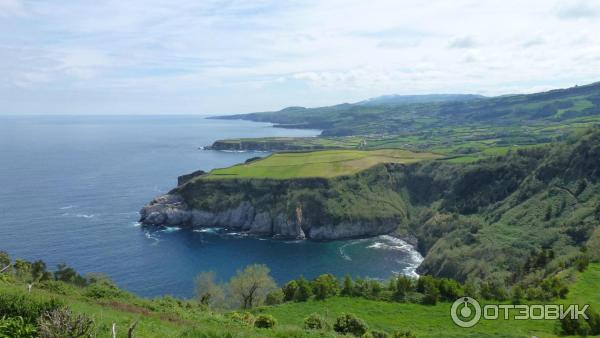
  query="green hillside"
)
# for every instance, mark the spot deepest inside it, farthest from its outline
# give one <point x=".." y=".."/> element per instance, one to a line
<point x="328" y="163"/>
<point x="359" y="119"/>
<point x="462" y="126"/>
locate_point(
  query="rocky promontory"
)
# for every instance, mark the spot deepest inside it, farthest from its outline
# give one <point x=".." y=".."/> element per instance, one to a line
<point x="267" y="144"/>
<point x="309" y="208"/>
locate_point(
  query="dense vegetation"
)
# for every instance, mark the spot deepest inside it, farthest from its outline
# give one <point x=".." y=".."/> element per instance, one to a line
<point x="52" y="304"/>
<point x="525" y="217"/>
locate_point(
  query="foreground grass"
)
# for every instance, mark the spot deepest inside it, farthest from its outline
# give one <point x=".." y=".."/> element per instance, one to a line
<point x="328" y="163"/>
<point x="168" y="317"/>
<point x="424" y="321"/>
<point x="435" y="321"/>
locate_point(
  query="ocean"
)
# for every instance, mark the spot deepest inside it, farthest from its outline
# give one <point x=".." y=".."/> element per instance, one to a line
<point x="71" y="188"/>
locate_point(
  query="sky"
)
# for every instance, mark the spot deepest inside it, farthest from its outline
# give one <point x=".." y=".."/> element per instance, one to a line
<point x="236" y="56"/>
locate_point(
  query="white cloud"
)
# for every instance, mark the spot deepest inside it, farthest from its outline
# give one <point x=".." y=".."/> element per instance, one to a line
<point x="463" y="42"/>
<point x="236" y="56"/>
<point x="579" y="9"/>
<point x="11" y="8"/>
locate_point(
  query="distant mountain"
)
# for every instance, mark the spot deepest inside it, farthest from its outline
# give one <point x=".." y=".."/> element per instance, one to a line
<point x="396" y="114"/>
<point x="409" y="99"/>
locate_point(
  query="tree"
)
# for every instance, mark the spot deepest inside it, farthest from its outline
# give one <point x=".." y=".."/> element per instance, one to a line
<point x="432" y="294"/>
<point x="250" y="286"/>
<point x="22" y="269"/>
<point x="304" y="290"/>
<point x="67" y="274"/>
<point x="4" y="261"/>
<point x="402" y="287"/>
<point x="38" y="271"/>
<point x="374" y="288"/>
<point x="517" y="295"/>
<point x="348" y="287"/>
<point x="289" y="290"/>
<point x="325" y="286"/>
<point x="208" y="291"/>
<point x="275" y="297"/>
<point x="450" y="289"/>
<point x="361" y="288"/>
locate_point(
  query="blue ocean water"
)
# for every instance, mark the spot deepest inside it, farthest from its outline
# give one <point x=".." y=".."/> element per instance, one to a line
<point x="70" y="189"/>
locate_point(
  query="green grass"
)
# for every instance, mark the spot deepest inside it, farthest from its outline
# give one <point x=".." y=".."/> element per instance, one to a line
<point x="328" y="163"/>
<point x="435" y="321"/>
<point x="155" y="319"/>
<point x="423" y="320"/>
<point x="585" y="290"/>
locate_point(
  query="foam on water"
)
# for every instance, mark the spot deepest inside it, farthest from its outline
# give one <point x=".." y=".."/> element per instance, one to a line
<point x="342" y="249"/>
<point x="85" y="215"/>
<point x="170" y="229"/>
<point x="207" y="230"/>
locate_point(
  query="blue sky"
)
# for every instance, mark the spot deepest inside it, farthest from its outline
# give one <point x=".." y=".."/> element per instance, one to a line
<point x="219" y="57"/>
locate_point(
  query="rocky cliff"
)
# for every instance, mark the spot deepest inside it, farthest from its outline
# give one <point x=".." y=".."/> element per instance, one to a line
<point x="320" y="209"/>
<point x="265" y="145"/>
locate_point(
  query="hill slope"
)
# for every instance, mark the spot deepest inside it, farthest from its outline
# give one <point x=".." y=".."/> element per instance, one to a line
<point x="389" y="116"/>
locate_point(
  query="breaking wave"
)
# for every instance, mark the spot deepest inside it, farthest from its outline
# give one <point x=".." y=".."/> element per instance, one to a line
<point x="387" y="242"/>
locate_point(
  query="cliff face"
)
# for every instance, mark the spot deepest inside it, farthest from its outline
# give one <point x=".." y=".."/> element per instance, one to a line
<point x="271" y="145"/>
<point x="317" y="209"/>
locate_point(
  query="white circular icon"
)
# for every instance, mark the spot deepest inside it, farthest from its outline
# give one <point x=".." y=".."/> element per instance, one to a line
<point x="466" y="305"/>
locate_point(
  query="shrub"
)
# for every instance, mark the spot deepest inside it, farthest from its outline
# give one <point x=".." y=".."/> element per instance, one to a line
<point x="349" y="324"/>
<point x="315" y="322"/>
<point x="403" y="334"/>
<point x="63" y="323"/>
<point x="29" y="307"/>
<point x="16" y="328"/>
<point x="275" y="297"/>
<point x="580" y="326"/>
<point x="378" y="334"/>
<point x="53" y="286"/>
<point x="244" y="318"/>
<point x="104" y="290"/>
<point x="265" y="322"/>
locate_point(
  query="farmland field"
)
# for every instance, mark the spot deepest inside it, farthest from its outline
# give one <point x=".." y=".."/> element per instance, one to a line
<point x="329" y="163"/>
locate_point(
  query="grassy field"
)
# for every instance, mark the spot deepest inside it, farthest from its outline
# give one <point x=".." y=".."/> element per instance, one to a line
<point x="169" y="317"/>
<point x="329" y="163"/>
<point x="435" y="321"/>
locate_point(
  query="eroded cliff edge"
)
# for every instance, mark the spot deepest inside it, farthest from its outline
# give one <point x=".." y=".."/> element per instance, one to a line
<point x="313" y="208"/>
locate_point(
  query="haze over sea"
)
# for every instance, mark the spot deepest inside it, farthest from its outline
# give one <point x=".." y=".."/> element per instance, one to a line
<point x="71" y="186"/>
